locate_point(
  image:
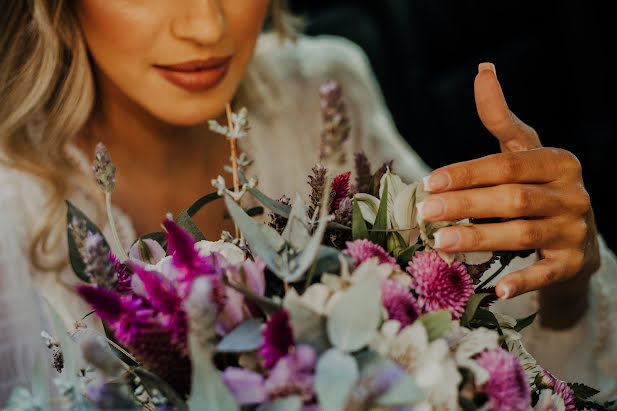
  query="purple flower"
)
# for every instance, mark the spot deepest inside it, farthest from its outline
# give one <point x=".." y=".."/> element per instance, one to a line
<point x="566" y="393"/>
<point x="363" y="172"/>
<point x="507" y="388"/>
<point x="123" y="276"/>
<point x="293" y="375"/>
<point x="545" y="379"/>
<point x="278" y="339"/>
<point x="362" y="250"/>
<point x="399" y="302"/>
<point x="439" y="285"/>
<point x="339" y="190"/>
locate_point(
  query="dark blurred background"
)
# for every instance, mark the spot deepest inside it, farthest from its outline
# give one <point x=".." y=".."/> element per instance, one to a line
<point x="552" y="60"/>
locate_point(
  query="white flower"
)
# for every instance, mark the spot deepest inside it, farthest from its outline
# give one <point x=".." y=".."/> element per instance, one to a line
<point x="549" y="401"/>
<point x="231" y="252"/>
<point x="429" y="363"/>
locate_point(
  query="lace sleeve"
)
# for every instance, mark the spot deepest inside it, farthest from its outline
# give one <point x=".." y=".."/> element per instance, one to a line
<point x="20" y="314"/>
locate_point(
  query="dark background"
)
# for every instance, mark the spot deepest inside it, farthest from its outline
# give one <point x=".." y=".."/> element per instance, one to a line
<point x="552" y="61"/>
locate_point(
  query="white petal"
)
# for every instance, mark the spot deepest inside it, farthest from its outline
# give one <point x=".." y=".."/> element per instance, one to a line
<point x="368" y="206"/>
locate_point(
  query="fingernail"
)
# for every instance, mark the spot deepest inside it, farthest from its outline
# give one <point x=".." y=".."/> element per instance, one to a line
<point x="506" y="292"/>
<point x="446" y="239"/>
<point x="487" y="66"/>
<point x="420" y="210"/>
<point x="436" y="182"/>
<point x="432" y="208"/>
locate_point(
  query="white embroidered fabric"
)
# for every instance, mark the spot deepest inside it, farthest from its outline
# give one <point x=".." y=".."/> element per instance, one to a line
<point x="281" y="92"/>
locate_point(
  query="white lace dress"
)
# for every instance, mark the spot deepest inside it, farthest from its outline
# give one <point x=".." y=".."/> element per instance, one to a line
<point x="285" y="124"/>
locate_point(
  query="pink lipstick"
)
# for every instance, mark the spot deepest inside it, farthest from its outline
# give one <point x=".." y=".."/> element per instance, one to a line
<point x="195" y="75"/>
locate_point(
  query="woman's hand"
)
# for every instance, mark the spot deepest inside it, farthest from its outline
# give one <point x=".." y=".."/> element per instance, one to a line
<point x="545" y="185"/>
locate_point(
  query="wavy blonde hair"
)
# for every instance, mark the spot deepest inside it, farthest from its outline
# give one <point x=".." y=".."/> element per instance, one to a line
<point x="45" y="73"/>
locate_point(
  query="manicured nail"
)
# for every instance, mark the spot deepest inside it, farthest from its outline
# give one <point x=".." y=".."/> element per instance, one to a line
<point x="487" y="66"/>
<point x="446" y="239"/>
<point x="420" y="210"/>
<point x="436" y="182"/>
<point x="506" y="292"/>
<point x="432" y="208"/>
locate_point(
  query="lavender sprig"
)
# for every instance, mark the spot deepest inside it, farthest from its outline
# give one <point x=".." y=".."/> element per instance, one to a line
<point x="317" y="181"/>
<point x="98" y="265"/>
<point x="335" y="123"/>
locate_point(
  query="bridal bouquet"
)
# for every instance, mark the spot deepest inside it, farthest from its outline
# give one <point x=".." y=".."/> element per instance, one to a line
<point x="334" y="302"/>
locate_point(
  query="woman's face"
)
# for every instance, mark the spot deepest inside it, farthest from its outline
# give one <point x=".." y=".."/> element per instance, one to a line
<point x="180" y="60"/>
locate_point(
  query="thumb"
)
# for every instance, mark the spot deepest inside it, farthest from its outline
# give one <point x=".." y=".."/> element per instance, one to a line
<point x="512" y="133"/>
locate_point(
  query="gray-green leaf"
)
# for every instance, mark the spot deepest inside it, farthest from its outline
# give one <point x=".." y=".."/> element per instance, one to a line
<point x="335" y="376"/>
<point x="356" y="315"/>
<point x="284" y="404"/>
<point x="245" y="337"/>
<point x="436" y="323"/>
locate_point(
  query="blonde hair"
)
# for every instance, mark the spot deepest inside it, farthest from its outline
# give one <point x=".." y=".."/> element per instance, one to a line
<point x="45" y="73"/>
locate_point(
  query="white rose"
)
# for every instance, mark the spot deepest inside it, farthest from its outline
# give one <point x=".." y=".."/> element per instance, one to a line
<point x="231" y="252"/>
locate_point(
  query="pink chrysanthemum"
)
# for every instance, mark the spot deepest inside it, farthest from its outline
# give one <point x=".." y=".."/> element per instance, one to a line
<point x="399" y="302"/>
<point x="340" y="190"/>
<point x="566" y="393"/>
<point x="278" y="339"/>
<point x="545" y="379"/>
<point x="362" y="250"/>
<point x="440" y="286"/>
<point x="507" y="388"/>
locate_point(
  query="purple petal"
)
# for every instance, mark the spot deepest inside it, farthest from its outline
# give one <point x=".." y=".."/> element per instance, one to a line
<point x="255" y="278"/>
<point x="180" y="244"/>
<point x="106" y="303"/>
<point x="160" y="291"/>
<point x="232" y="313"/>
<point x="247" y="387"/>
<point x="306" y="357"/>
<point x="278" y="339"/>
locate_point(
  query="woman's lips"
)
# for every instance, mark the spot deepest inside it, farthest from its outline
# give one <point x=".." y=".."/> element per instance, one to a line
<point x="195" y="75"/>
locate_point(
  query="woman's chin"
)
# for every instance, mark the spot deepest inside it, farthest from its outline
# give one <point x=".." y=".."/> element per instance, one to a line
<point x="187" y="117"/>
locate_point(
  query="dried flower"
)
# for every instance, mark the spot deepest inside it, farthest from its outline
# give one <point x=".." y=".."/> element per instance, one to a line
<point x="339" y="190"/>
<point x="278" y="339"/>
<point x="363" y="172"/>
<point x="399" y="302"/>
<point x="379" y="173"/>
<point x="507" y="388"/>
<point x="439" y="285"/>
<point x="279" y="222"/>
<point x="98" y="266"/>
<point x="362" y="250"/>
<point x="317" y="181"/>
<point x="335" y="122"/>
<point x="58" y="359"/>
<point x="240" y="125"/>
<point x="79" y="231"/>
<point x="104" y="170"/>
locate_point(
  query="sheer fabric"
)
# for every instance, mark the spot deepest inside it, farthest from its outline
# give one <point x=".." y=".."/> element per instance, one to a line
<point x="281" y="93"/>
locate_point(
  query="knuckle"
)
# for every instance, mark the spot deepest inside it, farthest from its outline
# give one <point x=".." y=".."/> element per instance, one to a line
<point x="509" y="167"/>
<point x="530" y="235"/>
<point x="569" y="161"/>
<point x="519" y="200"/>
<point x="474" y="237"/>
<point x="576" y="261"/>
<point x="579" y="232"/>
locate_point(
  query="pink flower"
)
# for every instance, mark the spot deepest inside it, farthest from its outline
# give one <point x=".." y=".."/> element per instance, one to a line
<point x="507" y="388"/>
<point x="439" y="285"/>
<point x="566" y="393"/>
<point x="362" y="250"/>
<point x="399" y="302"/>
<point x="340" y="190"/>
<point x="278" y="339"/>
<point x="292" y="375"/>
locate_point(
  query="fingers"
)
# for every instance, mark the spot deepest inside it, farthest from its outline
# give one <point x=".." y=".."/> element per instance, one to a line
<point x="561" y="266"/>
<point x="505" y="201"/>
<point x="547" y="233"/>
<point x="535" y="166"/>
<point x="512" y="133"/>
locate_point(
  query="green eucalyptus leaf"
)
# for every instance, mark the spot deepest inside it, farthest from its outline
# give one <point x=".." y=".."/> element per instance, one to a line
<point x="257" y="239"/>
<point x="202" y="201"/>
<point x="356" y="315"/>
<point x="308" y="326"/>
<point x="381" y="220"/>
<point x="470" y="308"/>
<point x="208" y="392"/>
<point x="278" y="208"/>
<point x="404" y="391"/>
<point x="358" y="225"/>
<point x="297" y="231"/>
<point x="284" y="404"/>
<point x="436" y="323"/>
<point x="245" y="337"/>
<point x="273" y="237"/>
<point x="185" y="221"/>
<point x="77" y="263"/>
<point x="525" y="322"/>
<point x="328" y="261"/>
<point x="336" y="374"/>
<point x="152" y="381"/>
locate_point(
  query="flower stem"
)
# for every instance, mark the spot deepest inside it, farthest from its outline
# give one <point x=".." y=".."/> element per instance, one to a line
<point x="233" y="144"/>
<point x="112" y="224"/>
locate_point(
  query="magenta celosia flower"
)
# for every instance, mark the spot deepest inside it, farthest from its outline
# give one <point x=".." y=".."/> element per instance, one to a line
<point x="440" y="286"/>
<point x="292" y="375"/>
<point x="362" y="250"/>
<point x="278" y="339"/>
<point x="507" y="387"/>
<point x="339" y="190"/>
<point x="138" y="326"/>
<point x="399" y="302"/>
<point x="123" y="276"/>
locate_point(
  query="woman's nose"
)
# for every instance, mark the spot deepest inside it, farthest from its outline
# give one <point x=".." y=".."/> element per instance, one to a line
<point x="200" y="21"/>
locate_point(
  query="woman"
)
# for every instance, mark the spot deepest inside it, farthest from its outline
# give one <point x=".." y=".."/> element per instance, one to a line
<point x="144" y="76"/>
